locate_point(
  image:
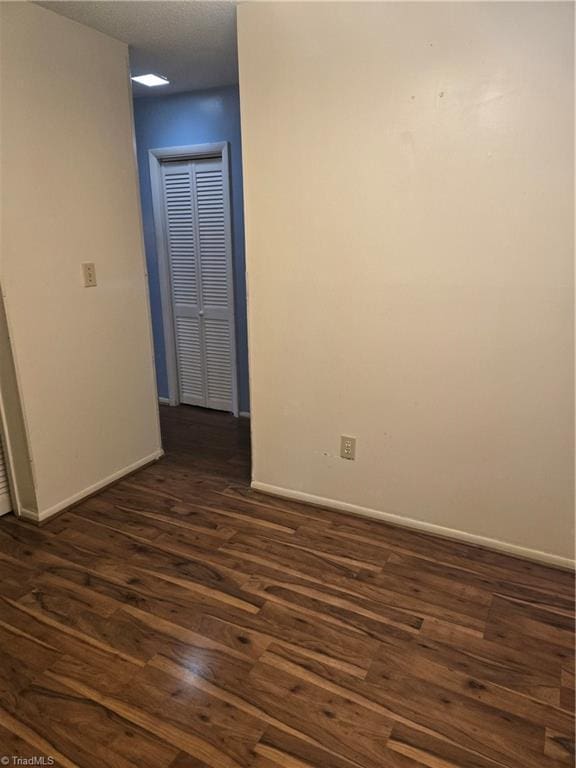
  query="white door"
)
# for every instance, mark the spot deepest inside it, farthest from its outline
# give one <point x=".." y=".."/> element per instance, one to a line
<point x="197" y="228"/>
<point x="5" y="503"/>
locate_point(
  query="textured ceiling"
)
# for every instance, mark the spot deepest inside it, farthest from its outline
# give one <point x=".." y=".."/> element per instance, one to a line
<point x="192" y="43"/>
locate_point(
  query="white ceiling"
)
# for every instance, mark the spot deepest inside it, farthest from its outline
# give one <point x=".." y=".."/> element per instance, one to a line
<point x="192" y="43"/>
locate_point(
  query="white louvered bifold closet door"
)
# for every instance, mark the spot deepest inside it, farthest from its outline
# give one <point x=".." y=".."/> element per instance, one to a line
<point x="5" y="503"/>
<point x="199" y="251"/>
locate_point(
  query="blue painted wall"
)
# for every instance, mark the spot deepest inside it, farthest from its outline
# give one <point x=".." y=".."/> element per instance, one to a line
<point x="199" y="117"/>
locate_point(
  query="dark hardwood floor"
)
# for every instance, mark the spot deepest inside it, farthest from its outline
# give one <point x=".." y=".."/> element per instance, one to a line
<point x="180" y="619"/>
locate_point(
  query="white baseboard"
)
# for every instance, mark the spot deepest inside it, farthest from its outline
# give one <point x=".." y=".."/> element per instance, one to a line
<point x="244" y="414"/>
<point x="165" y="401"/>
<point x="407" y="522"/>
<point x="45" y="514"/>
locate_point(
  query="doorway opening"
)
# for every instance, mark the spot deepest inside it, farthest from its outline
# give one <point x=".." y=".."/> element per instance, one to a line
<point x="5" y="499"/>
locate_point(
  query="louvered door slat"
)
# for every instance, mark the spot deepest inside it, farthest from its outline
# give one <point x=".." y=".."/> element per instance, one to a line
<point x="179" y="206"/>
<point x="218" y="360"/>
<point x="190" y="360"/>
<point x="212" y="235"/>
<point x="5" y="503"/>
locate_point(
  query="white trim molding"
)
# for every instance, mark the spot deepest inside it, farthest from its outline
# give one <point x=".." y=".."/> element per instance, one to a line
<point x="407" y="522"/>
<point x="166" y="401"/>
<point x="46" y="514"/>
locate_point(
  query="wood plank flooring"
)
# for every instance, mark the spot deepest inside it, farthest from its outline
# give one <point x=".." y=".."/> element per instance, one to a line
<point x="180" y="619"/>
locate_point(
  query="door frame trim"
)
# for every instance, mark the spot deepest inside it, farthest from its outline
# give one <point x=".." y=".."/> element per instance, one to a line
<point x="156" y="157"/>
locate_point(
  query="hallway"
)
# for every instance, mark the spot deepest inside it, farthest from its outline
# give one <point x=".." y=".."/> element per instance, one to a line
<point x="181" y="619"/>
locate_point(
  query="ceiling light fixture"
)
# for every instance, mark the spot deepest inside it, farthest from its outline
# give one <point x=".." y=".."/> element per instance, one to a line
<point x="151" y="80"/>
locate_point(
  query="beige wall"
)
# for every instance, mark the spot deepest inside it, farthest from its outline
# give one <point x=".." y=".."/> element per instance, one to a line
<point x="83" y="357"/>
<point x="408" y="188"/>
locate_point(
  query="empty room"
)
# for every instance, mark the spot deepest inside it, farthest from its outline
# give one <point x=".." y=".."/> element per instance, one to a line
<point x="287" y="384"/>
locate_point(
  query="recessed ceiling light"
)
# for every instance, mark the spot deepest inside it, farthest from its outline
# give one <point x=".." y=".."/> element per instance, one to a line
<point x="151" y="80"/>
